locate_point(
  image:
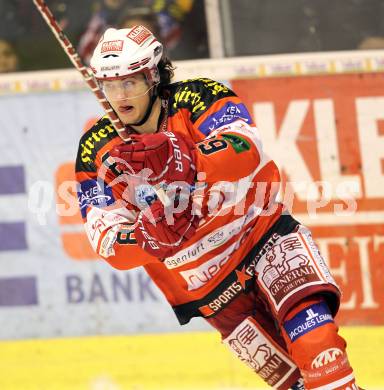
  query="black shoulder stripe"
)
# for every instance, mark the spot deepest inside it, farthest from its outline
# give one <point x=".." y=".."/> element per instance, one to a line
<point x="91" y="142"/>
<point x="197" y="95"/>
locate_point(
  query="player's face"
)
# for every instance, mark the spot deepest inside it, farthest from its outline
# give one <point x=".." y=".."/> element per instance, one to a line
<point x="129" y="97"/>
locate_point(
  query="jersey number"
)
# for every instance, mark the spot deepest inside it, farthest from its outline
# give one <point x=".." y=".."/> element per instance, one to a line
<point x="213" y="146"/>
<point x="126" y="237"/>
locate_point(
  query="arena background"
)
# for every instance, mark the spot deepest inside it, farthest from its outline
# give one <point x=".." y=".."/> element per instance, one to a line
<point x="68" y="321"/>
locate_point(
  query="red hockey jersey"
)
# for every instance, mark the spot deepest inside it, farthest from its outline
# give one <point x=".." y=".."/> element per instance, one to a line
<point x="235" y="177"/>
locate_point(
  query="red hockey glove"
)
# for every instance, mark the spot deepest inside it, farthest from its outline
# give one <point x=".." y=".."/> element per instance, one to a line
<point x="169" y="157"/>
<point x="160" y="238"/>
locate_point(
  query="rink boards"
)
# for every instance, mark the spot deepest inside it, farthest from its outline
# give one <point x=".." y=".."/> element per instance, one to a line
<point x="320" y="116"/>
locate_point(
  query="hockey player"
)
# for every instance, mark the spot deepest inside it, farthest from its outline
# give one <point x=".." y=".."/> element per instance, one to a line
<point x="219" y="246"/>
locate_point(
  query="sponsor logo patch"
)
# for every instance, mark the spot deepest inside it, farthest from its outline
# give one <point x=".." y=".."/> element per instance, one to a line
<point x="216" y="239"/>
<point x="188" y="97"/>
<point x="255" y="350"/>
<point x="201" y="275"/>
<point x="243" y="278"/>
<point x="91" y="192"/>
<point x="106" y="246"/>
<point x="238" y="143"/>
<point x="221" y="300"/>
<point x="311" y="318"/>
<point x="338" y="364"/>
<point x="145" y="195"/>
<point x="94" y="142"/>
<point x="229" y="113"/>
<point x="112" y="46"/>
<point x="286" y="268"/>
<point x="326" y="357"/>
<point x="316" y="254"/>
<point x="139" y="34"/>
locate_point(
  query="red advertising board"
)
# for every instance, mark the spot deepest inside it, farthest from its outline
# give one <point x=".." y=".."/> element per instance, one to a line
<point x="327" y="135"/>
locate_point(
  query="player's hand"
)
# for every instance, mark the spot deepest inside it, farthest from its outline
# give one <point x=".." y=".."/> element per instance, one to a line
<point x="168" y="156"/>
<point x="157" y="236"/>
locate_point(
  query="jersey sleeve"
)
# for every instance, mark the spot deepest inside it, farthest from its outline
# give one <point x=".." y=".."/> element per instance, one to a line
<point x="230" y="147"/>
<point x="108" y="218"/>
<point x="231" y="151"/>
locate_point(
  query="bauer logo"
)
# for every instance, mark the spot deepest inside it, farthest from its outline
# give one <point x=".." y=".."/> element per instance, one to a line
<point x="307" y="320"/>
<point x="107" y="68"/>
<point x="112" y="46"/>
<point x="139" y="34"/>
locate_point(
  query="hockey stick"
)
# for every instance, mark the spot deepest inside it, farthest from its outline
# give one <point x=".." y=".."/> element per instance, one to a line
<point x="89" y="79"/>
<point x="76" y="61"/>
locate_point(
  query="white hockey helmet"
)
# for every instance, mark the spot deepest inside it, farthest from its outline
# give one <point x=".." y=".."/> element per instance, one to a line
<point x="127" y="51"/>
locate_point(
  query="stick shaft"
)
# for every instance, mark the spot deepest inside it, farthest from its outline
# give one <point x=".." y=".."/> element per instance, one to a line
<point x="76" y="61"/>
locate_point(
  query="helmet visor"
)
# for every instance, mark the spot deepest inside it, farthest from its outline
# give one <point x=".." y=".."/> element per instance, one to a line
<point x="129" y="87"/>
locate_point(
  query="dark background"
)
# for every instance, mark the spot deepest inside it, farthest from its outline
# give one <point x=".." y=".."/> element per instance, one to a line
<point x="256" y="27"/>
